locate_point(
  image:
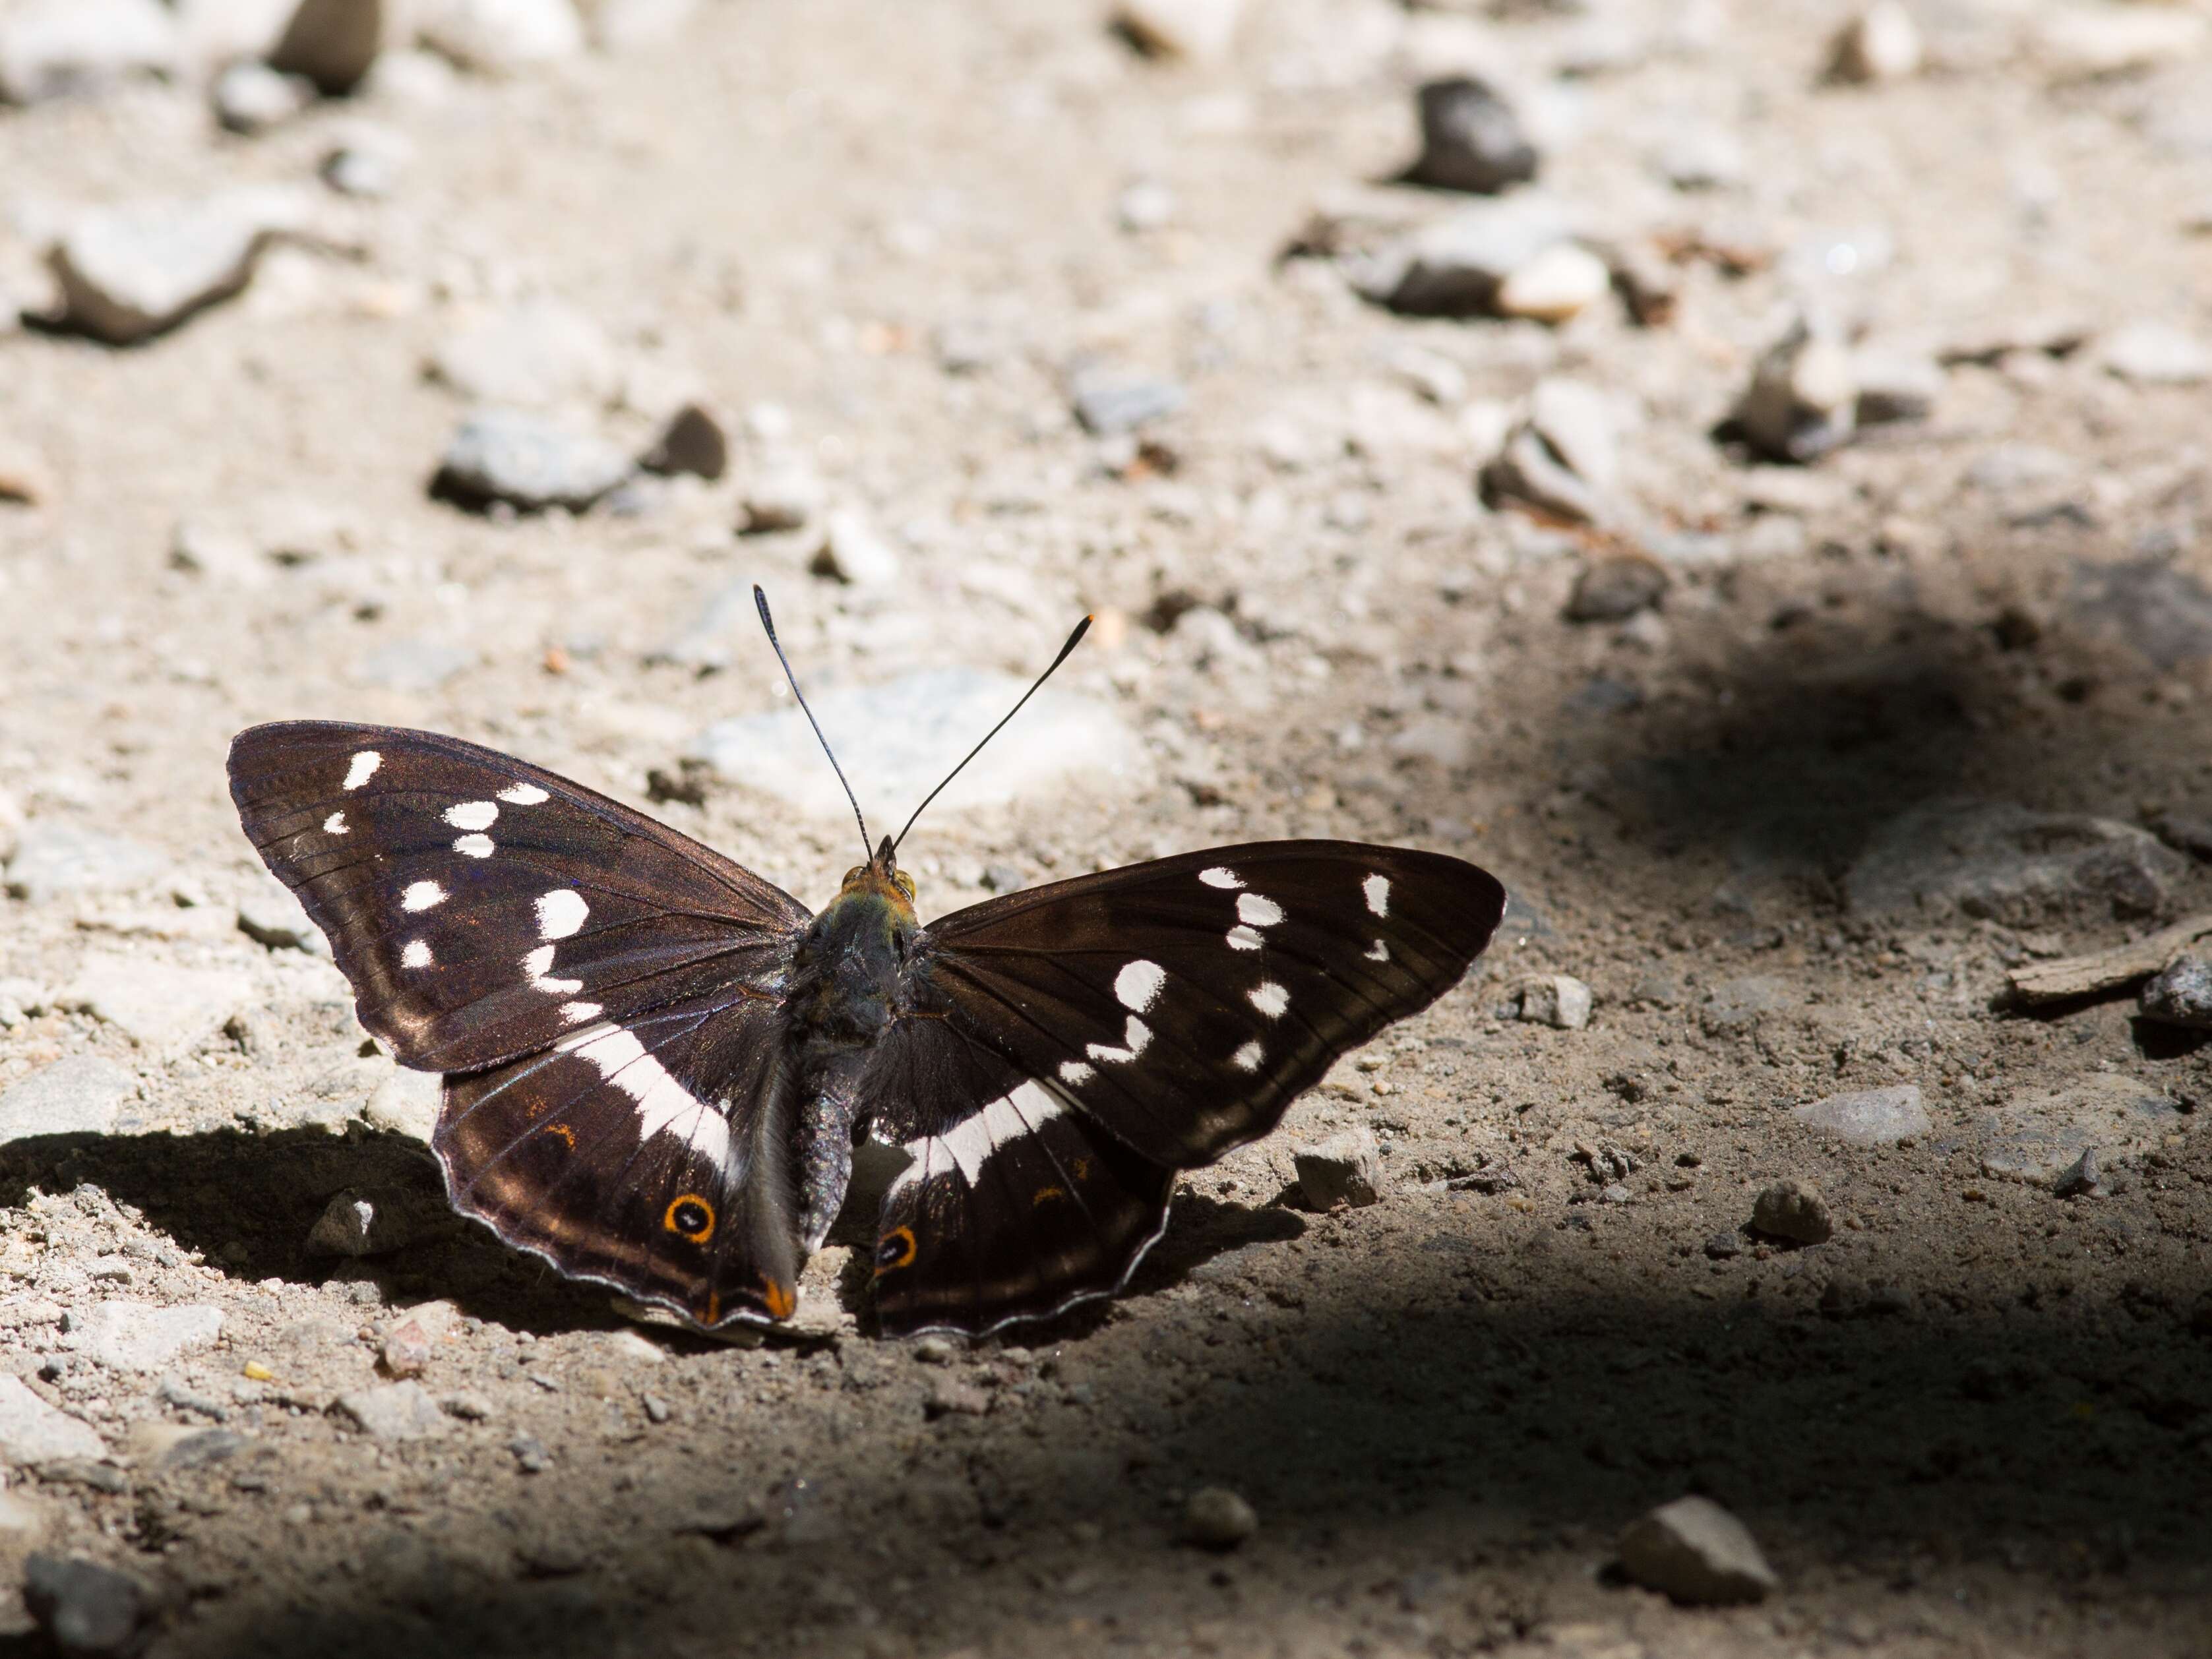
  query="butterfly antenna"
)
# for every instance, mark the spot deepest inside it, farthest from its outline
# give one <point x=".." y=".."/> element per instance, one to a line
<point x="760" y="599"/>
<point x="1073" y="640"/>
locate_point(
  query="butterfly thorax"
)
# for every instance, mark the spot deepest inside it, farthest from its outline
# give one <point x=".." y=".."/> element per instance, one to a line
<point x="845" y="994"/>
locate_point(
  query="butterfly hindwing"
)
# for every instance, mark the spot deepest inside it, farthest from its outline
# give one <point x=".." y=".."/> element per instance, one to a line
<point x="1183" y="1004"/>
<point x="484" y="907"/>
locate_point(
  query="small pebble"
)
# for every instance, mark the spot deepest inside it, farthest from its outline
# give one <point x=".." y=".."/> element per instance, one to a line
<point x="2080" y="1178"/>
<point x="1199" y="30"/>
<point x="782" y="497"/>
<point x="1881" y="43"/>
<point x="84" y="1609"/>
<point x="1615" y="589"/>
<point x="406" y="1351"/>
<point x="694" y="442"/>
<point x="1804" y="398"/>
<point x="2155" y="354"/>
<point x="2180" y="993"/>
<point x="1346" y="1168"/>
<point x="1696" y="1553"/>
<point x="531" y="1455"/>
<point x="1107" y="403"/>
<point x="1794" y="1210"/>
<point x="1471" y="139"/>
<point x="948" y="1396"/>
<point x="1216" y="1518"/>
<point x="853" y="552"/>
<point x="1559" y="1000"/>
<point x="1559" y="283"/>
<point x="657" y="1410"/>
<point x="250" y="97"/>
<point x="526" y="461"/>
<point x="333" y="43"/>
<point x="935" y="1351"/>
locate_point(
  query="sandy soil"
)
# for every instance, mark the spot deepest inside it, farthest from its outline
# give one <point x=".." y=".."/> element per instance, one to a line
<point x="1973" y="1422"/>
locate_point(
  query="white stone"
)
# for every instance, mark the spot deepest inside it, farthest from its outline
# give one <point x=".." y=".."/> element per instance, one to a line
<point x="1346" y="1168"/>
<point x="625" y="25"/>
<point x="1200" y="30"/>
<point x="1558" y="285"/>
<point x="398" y="1411"/>
<point x="1802" y="400"/>
<point x="896" y="740"/>
<point x="2037" y="1138"/>
<point x="250" y="97"/>
<point x="853" y="552"/>
<point x="130" y="271"/>
<point x="1867" y="1117"/>
<point x="164" y="1008"/>
<point x="504" y="37"/>
<point x="141" y="1336"/>
<point x="406" y="1104"/>
<point x="33" y="1433"/>
<point x="80" y="1095"/>
<point x="2086" y="42"/>
<point x="1554" y="1000"/>
<point x="541" y="354"/>
<point x="1696" y="1552"/>
<point x="2155" y="354"/>
<point x="529" y="461"/>
<point x="55" y="860"/>
<point x="50" y="47"/>
<point x="1882" y="43"/>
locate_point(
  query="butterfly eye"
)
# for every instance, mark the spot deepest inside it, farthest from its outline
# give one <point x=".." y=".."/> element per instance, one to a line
<point x="905" y="883"/>
<point x="854" y="875"/>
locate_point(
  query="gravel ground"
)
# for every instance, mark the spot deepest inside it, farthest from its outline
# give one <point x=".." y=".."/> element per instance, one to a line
<point x="1795" y="728"/>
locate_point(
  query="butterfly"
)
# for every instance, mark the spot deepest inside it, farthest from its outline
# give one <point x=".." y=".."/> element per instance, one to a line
<point x="657" y="1065"/>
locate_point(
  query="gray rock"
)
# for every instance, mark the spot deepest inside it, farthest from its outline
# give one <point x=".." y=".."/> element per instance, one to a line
<point x="130" y="273"/>
<point x="1895" y="386"/>
<point x="2037" y="1137"/>
<point x="2180" y="993"/>
<point x="1881" y="43"/>
<point x="1563" y="459"/>
<point x="271" y="914"/>
<point x="2012" y="865"/>
<point x="250" y="97"/>
<point x="86" y="1611"/>
<point x="163" y="1008"/>
<point x="1471" y="139"/>
<point x="141" y="1336"/>
<point x="1107" y="401"/>
<point x="1696" y="1553"/>
<point x="396" y="1411"/>
<point x="405" y="1103"/>
<point x="539" y="354"/>
<point x="1558" y="1000"/>
<point x="1346" y="1168"/>
<point x="1802" y="400"/>
<point x="527" y="461"/>
<point x="370" y="171"/>
<point x="2155" y="354"/>
<point x="361" y="1223"/>
<point x="1217" y="1518"/>
<point x="331" y="43"/>
<point x="2080" y="1178"/>
<point x="58" y="860"/>
<point x="1455" y="267"/>
<point x="531" y="1456"/>
<point x="1867" y="1117"/>
<point x="1199" y="30"/>
<point x="52" y="48"/>
<point x="948" y="1396"/>
<point x="2155" y="606"/>
<point x="80" y="1095"/>
<point x="853" y="552"/>
<point x="897" y="738"/>
<point x="1615" y="589"/>
<point x="504" y="37"/>
<point x="412" y="665"/>
<point x="33" y="1433"/>
<point x="693" y="441"/>
<point x="1794" y="1210"/>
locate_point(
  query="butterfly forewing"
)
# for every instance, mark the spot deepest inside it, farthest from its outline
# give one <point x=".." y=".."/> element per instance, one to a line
<point x="482" y="908"/>
<point x="1183" y="1004"/>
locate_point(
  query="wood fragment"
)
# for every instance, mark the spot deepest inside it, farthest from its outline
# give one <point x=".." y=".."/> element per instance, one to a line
<point x="2108" y="969"/>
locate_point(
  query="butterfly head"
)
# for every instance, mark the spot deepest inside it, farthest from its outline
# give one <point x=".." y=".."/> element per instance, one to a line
<point x="882" y="878"/>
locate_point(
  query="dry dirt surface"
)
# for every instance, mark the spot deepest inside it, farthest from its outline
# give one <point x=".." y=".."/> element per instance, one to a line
<point x="1789" y="759"/>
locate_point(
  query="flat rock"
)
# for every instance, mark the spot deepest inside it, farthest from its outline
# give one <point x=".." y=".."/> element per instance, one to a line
<point x="1696" y="1553"/>
<point x="1346" y="1168"/>
<point x="1199" y="30"/>
<point x="1563" y="459"/>
<point x="1472" y="139"/>
<point x="406" y="1104"/>
<point x="2155" y="354"/>
<point x="1109" y="401"/>
<point x="80" y="1095"/>
<point x="141" y="1336"/>
<point x="397" y="1411"/>
<point x="333" y="43"/>
<point x="1455" y="266"/>
<point x="2154" y="606"/>
<point x="58" y="861"/>
<point x="87" y="1611"/>
<point x="2036" y="1137"/>
<point x="34" y="1432"/>
<point x="51" y="48"/>
<point x="504" y="37"/>
<point x="131" y="272"/>
<point x="527" y="461"/>
<point x="162" y="1007"/>
<point x="2089" y="42"/>
<point x="539" y="354"/>
<point x="899" y="738"/>
<point x="412" y="665"/>
<point x="271" y="914"/>
<point x="1867" y="1117"/>
<point x="2011" y="864"/>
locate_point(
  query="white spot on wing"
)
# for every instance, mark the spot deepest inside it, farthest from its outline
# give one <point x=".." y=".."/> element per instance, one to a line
<point x="335" y="825"/>
<point x="561" y="913"/>
<point x="539" y="964"/>
<point x="1135" y="1036"/>
<point x="1377" y="888"/>
<point x="1248" y="1058"/>
<point x="524" y="794"/>
<point x="663" y="1103"/>
<point x="476" y="847"/>
<point x="1221" y="876"/>
<point x="1074" y="1071"/>
<point x="415" y="954"/>
<point x="1378" y="951"/>
<point x="1270" y="998"/>
<point x="973" y="1139"/>
<point x="1260" y="912"/>
<point x="1138" y="985"/>
<point x="1242" y="938"/>
<point x="362" y="767"/>
<point x="422" y="895"/>
<point x="473" y="814"/>
<point x="577" y="1012"/>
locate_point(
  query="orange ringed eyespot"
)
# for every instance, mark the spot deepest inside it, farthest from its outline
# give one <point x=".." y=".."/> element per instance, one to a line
<point x="894" y="1249"/>
<point x="690" y="1217"/>
<point x="566" y="1133"/>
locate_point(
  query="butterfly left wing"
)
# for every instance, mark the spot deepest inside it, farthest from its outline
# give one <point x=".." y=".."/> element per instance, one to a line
<point x="1072" y="1046"/>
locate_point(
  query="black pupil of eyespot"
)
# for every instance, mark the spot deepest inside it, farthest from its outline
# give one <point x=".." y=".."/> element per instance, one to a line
<point x="887" y="1251"/>
<point x="690" y="1217"/>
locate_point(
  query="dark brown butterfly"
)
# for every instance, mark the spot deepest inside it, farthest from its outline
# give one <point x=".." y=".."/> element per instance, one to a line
<point x="657" y="1065"/>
